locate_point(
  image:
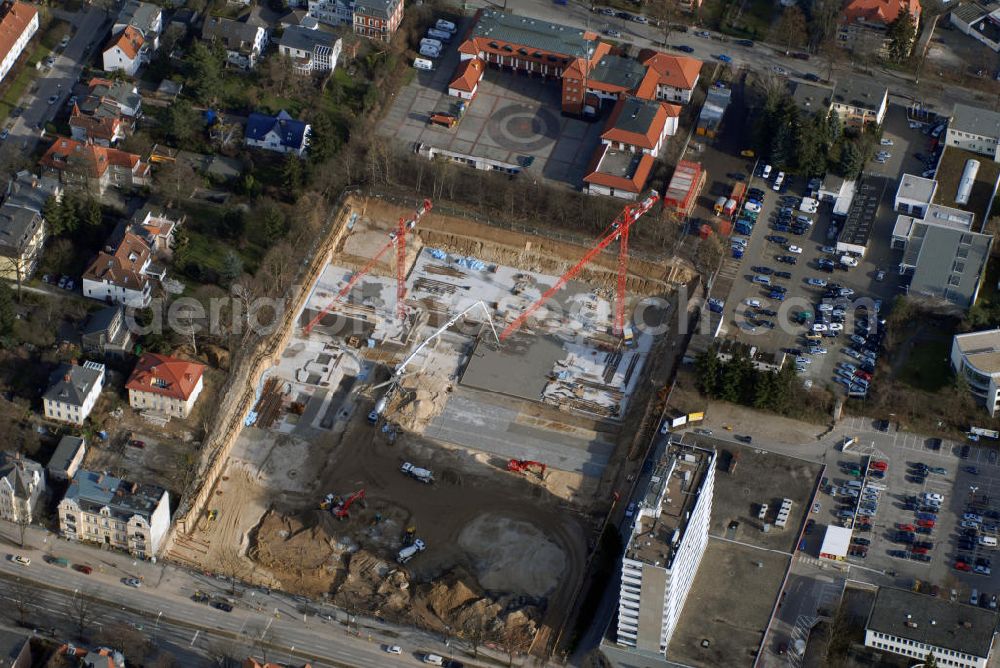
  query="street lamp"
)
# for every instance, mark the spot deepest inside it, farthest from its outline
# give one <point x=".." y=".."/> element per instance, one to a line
<point x="972" y="493"/>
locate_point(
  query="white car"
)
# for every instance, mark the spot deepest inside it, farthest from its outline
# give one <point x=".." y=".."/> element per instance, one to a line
<point x="752" y="207"/>
<point x="915" y="125"/>
<point x="794" y="249"/>
<point x="818" y="351"/>
<point x="932" y="496"/>
<point x="24" y="561"/>
<point x="836" y="327"/>
<point x="886" y="142"/>
<point x="824" y="307"/>
<point x="829" y="250"/>
<point x="393" y="649"/>
<point x="849" y="261"/>
<point x="819" y="327"/>
<point x="777" y="69"/>
<point x="802" y="360"/>
<point x="753" y="303"/>
<point x="816" y="507"/>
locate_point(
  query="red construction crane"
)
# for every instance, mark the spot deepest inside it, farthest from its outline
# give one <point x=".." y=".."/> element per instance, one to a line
<point x="619" y="230"/>
<point x="522" y="465"/>
<point x="397" y="238"/>
<point x="341" y="511"/>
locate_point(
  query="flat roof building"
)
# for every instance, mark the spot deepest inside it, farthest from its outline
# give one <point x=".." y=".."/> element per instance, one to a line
<point x="915" y="625"/>
<point x="667" y="542"/>
<point x="975" y="129"/>
<point x="682" y="191"/>
<point x="945" y="257"/>
<point x="836" y="542"/>
<point x="860" y="218"/>
<point x="859" y="101"/>
<point x="976" y="358"/>
<point x="914" y="195"/>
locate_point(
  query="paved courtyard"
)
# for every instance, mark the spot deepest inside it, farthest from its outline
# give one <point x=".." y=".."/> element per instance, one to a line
<point x="515" y="119"/>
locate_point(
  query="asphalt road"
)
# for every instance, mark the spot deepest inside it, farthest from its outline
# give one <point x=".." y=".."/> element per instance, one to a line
<point x="58" y="81"/>
<point x="162" y="603"/>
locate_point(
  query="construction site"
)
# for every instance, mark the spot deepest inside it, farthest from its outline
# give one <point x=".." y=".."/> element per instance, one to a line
<point x="454" y="398"/>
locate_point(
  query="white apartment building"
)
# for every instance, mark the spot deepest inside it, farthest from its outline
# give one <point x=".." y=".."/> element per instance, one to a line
<point x="22" y="482"/>
<point x="332" y="12"/>
<point x="974" y="129"/>
<point x="975" y="356"/>
<point x="102" y="509"/>
<point x="18" y="24"/>
<point x="73" y="391"/>
<point x="668" y="539"/>
<point x="914" y="625"/>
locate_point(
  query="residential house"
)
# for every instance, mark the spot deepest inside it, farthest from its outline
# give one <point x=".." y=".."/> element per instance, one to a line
<point x="280" y="133"/>
<point x="22" y="482"/>
<point x="145" y="17"/>
<point x="73" y="391"/>
<point x="126" y="52"/>
<point x="67" y="458"/>
<point x="865" y="22"/>
<point x="310" y="50"/>
<point x="377" y="19"/>
<point x="859" y="102"/>
<point x="465" y="83"/>
<point x="15" y="650"/>
<point x="618" y="173"/>
<point x="103" y="657"/>
<point x="22" y="237"/>
<point x="156" y="229"/>
<point x="94" y="168"/>
<point x="106" y="333"/>
<point x="332" y="12"/>
<point x="975" y="129"/>
<point x="914" y="625"/>
<point x="165" y="385"/>
<point x="979" y="22"/>
<point x="640" y="125"/>
<point x="102" y="129"/>
<point x="676" y="76"/>
<point x="810" y="99"/>
<point x="29" y="191"/>
<point x="18" y="24"/>
<point x="108" y="112"/>
<point x="128" y="516"/>
<point x="242" y="40"/>
<point x="122" y="275"/>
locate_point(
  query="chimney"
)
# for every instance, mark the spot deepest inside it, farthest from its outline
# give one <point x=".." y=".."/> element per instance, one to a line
<point x="66" y="378"/>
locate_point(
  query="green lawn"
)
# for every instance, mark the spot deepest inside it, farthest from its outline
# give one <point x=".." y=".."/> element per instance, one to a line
<point x="927" y="367"/>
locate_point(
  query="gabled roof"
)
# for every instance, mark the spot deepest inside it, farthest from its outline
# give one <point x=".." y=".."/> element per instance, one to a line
<point x="121" y="94"/>
<point x="166" y="376"/>
<point x="615" y="73"/>
<point x="130" y="42"/>
<point x="17" y="227"/>
<point x="92" y="491"/>
<point x="90" y="159"/>
<point x="496" y="27"/>
<point x="880" y="11"/>
<point x="123" y="268"/>
<point x="468" y="75"/>
<point x="16" y="17"/>
<point x="235" y="35"/>
<point x="292" y="132"/>
<point x="101" y="126"/>
<point x="638" y="122"/>
<point x="141" y="15"/>
<point x="377" y="8"/>
<point x="65" y="452"/>
<point x="674" y="71"/>
<point x="22" y="474"/>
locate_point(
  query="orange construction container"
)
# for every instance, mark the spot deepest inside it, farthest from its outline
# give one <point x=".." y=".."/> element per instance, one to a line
<point x="705" y="231"/>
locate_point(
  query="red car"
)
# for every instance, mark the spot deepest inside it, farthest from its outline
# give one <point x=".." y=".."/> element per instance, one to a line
<point x="863" y="374"/>
<point x="906" y="527"/>
<point x="136" y="443"/>
<point x="919" y="550"/>
<point x="927" y="524"/>
<point x="962" y="566"/>
<point x="879" y="465"/>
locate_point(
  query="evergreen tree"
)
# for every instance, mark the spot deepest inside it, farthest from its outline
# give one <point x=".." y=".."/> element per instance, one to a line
<point x="901" y="34"/>
<point x="7" y="312"/>
<point x="707" y="372"/>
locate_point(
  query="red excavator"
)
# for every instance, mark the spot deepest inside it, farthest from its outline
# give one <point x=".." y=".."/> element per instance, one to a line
<point x="524" y="465"/>
<point x="342" y="509"/>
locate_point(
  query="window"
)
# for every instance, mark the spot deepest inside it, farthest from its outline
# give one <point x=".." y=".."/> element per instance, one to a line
<point x="954" y="280"/>
<point x="958" y="267"/>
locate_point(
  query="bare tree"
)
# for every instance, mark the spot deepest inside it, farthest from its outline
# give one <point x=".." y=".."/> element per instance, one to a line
<point x="22" y="598"/>
<point x="163" y="660"/>
<point x="132" y="642"/>
<point x="515" y="640"/>
<point x="82" y="611"/>
<point x="474" y="631"/>
<point x="22" y="522"/>
<point x="232" y="565"/>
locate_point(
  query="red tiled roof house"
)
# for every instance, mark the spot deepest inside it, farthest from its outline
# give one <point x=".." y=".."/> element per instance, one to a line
<point x="165" y="385"/>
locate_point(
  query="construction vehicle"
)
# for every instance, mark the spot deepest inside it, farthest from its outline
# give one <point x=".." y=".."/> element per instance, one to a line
<point x="340" y="507"/>
<point x="397" y="374"/>
<point x="410" y="551"/>
<point x="423" y="475"/>
<point x="524" y="465"/>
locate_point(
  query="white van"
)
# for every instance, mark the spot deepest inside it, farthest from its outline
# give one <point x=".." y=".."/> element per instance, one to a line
<point x="423" y="64"/>
<point x="427" y="41"/>
<point x="778" y="180"/>
<point x="434" y="659"/>
<point x="766" y="173"/>
<point x="439" y="34"/>
<point x="429" y="51"/>
<point x="447" y="26"/>
<point x="987" y="541"/>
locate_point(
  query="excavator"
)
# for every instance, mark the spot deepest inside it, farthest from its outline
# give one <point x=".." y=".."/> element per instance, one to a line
<point x="525" y="465"/>
<point x="340" y="507"/>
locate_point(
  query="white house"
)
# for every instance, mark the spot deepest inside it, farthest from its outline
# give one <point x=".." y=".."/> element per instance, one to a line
<point x="165" y="385"/>
<point x="145" y="17"/>
<point x="975" y="129"/>
<point x="22" y="482"/>
<point x="18" y="23"/>
<point x="105" y="510"/>
<point x="280" y="133"/>
<point x="310" y="50"/>
<point x="122" y="276"/>
<point x="126" y="52"/>
<point x="332" y="12"/>
<point x="243" y="41"/>
<point x="73" y="391"/>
